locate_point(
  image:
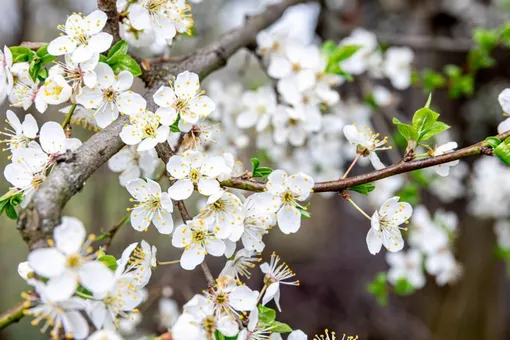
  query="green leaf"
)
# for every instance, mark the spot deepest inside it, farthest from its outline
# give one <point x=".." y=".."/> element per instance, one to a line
<point x="363" y="189"/>
<point x="266" y="315"/>
<point x="403" y="287"/>
<point x="123" y="62"/>
<point x="219" y="336"/>
<point x="16" y="199"/>
<point x="438" y="127"/>
<point x="280" y="327"/>
<point x="379" y="289"/>
<point x="344" y="52"/>
<point x="429" y="100"/>
<point x="48" y="58"/>
<point x="406" y="130"/>
<point x="492" y="141"/>
<point x="43" y="74"/>
<point x="11" y="212"/>
<point x="328" y="48"/>
<point x="42" y="51"/>
<point x="433" y="80"/>
<point x="119" y="48"/>
<point x="423" y="119"/>
<point x="502" y="151"/>
<point x="34" y="70"/>
<point x="21" y="54"/>
<point x="109" y="261"/>
<point x="103" y="59"/>
<point x="304" y="212"/>
<point x="410" y="193"/>
<point x="453" y="71"/>
<point x="487" y="39"/>
<point x="255" y="163"/>
<point x="84" y="293"/>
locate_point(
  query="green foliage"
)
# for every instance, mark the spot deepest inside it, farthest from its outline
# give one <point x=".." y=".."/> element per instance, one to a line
<point x="109" y="261"/>
<point x="175" y="126"/>
<point x="493" y="142"/>
<point x="410" y="193"/>
<point x="267" y="318"/>
<point x="303" y="211"/>
<point x="502" y="151"/>
<point x="432" y="80"/>
<point x="36" y="59"/>
<point x="219" y="336"/>
<point x="337" y="54"/>
<point x="424" y="125"/>
<point x="8" y="203"/>
<point x="403" y="287"/>
<point x="363" y="189"/>
<point x="119" y="60"/>
<point x="379" y="289"/>
<point x="259" y="171"/>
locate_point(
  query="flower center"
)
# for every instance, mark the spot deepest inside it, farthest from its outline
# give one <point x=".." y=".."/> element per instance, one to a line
<point x="37" y="180"/>
<point x="219" y="205"/>
<point x="293" y="122"/>
<point x="149" y="131"/>
<point x="73" y="261"/>
<point x="194" y="175"/>
<point x="198" y="236"/>
<point x="287" y="197"/>
<point x="181" y="104"/>
<point x="221" y="299"/>
<point x="109" y="95"/>
<point x="296" y="67"/>
<point x="209" y="324"/>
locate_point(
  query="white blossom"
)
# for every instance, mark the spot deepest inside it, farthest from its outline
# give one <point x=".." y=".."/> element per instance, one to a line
<point x="385" y="226"/>
<point x="366" y="142"/>
<point x="407" y="266"/>
<point x="70" y="262"/>
<point x="168" y="312"/>
<point x="192" y="169"/>
<point x="224" y="210"/>
<point x="19" y="134"/>
<point x="111" y="95"/>
<point x="133" y="164"/>
<point x="230" y="299"/>
<point x="276" y="274"/>
<point x="259" y="216"/>
<point x="397" y="66"/>
<point x="57" y="315"/>
<point x="83" y="37"/>
<point x="144" y="131"/>
<point x="183" y="99"/>
<point x="259" y="107"/>
<point x="444" y="169"/>
<point x="198" y="238"/>
<point x="240" y="264"/>
<point x="287" y="190"/>
<point x="151" y="205"/>
<point x="199" y="321"/>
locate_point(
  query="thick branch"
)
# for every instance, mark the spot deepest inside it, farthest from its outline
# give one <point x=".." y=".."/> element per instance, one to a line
<point x="481" y="148"/>
<point x="37" y="222"/>
<point x="112" y="25"/>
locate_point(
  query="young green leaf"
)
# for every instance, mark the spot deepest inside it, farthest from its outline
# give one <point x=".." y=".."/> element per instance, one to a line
<point x="403" y="287"/>
<point x="280" y="327"/>
<point x="110" y="261"/>
<point x="344" y="52"/>
<point x="363" y="189"/>
<point x="502" y="151"/>
<point x="119" y="48"/>
<point x="266" y="315"/>
<point x="492" y="141"/>
<point x="21" y="54"/>
<point x="304" y="213"/>
<point x="379" y="289"/>
<point x="436" y="128"/>
<point x="407" y="131"/>
<point x="11" y="212"/>
<point x="123" y="62"/>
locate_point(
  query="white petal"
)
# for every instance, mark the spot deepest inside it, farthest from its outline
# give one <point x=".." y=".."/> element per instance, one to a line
<point x="181" y="190"/>
<point x="30" y="127"/>
<point x="374" y="241"/>
<point x="186" y="85"/>
<point x="47" y="262"/>
<point x="215" y="247"/>
<point x="96" y="277"/>
<point x="62" y="287"/>
<point x="76" y="325"/>
<point x="62" y="45"/>
<point x="52" y="137"/>
<point x="95" y="22"/>
<point x="69" y="235"/>
<point x="277" y="182"/>
<point x="243" y="298"/>
<point x="163" y="221"/>
<point x="192" y="257"/>
<point x="208" y="186"/>
<point x="289" y="219"/>
<point x="271" y="291"/>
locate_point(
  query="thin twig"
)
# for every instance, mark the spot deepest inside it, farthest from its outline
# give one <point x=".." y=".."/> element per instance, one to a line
<point x="108" y="236"/>
<point x="13" y="315"/>
<point x="481" y="148"/>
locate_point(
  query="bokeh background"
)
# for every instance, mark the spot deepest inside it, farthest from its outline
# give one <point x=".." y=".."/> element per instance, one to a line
<point x="329" y="253"/>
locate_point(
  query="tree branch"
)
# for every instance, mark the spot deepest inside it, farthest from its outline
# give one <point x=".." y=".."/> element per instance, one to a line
<point x="481" y="148"/>
<point x="13" y="315"/>
<point x="112" y="25"/>
<point x="36" y="223"/>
